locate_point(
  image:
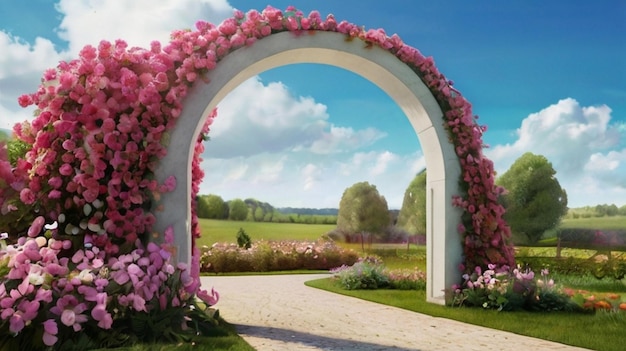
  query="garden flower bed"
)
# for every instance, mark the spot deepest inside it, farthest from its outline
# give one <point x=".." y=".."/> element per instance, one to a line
<point x="266" y="256"/>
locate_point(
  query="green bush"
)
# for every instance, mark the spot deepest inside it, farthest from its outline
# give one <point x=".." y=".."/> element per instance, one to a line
<point x="243" y="239"/>
<point x="367" y="273"/>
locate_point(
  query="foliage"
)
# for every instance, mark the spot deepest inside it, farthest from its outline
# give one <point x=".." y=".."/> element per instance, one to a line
<point x="104" y="121"/>
<point x="243" y="239"/>
<point x="362" y="209"/>
<point x="15" y="216"/>
<point x="238" y="210"/>
<point x="412" y="217"/>
<point x="259" y="211"/>
<point x="212" y="207"/>
<point x="600" y="210"/>
<point x="367" y="273"/>
<point x="595" y="331"/>
<point x="46" y="297"/>
<point x="17" y="149"/>
<point x="510" y="290"/>
<point x="267" y="256"/>
<point x="535" y="201"/>
<point x="370" y="273"/>
<point x="593" y="239"/>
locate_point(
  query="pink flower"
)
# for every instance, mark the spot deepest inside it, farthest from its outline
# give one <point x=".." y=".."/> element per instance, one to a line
<point x="27" y="196"/>
<point x="70" y="311"/>
<point x="209" y="299"/>
<point x="50" y="332"/>
<point x="36" y="226"/>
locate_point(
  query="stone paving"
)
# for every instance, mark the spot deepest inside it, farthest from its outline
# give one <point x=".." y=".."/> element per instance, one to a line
<point x="281" y="313"/>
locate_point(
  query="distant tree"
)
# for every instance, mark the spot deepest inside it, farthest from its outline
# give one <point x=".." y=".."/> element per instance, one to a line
<point x="362" y="210"/>
<point x="202" y="207"/>
<point x="622" y="211"/>
<point x="238" y="210"/>
<point x="259" y="214"/>
<point x="535" y="201"/>
<point x="217" y="207"/>
<point x="412" y="217"/>
<point x="4" y="136"/>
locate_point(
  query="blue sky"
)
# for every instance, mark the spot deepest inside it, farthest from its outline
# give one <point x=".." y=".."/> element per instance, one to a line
<point x="545" y="77"/>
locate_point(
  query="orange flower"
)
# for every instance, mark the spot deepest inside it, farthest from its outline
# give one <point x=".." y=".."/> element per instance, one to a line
<point x="612" y="296"/>
<point x="602" y="305"/>
<point x="622" y="306"/>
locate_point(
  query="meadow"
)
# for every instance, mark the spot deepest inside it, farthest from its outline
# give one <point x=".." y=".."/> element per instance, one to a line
<point x="599" y="223"/>
<point x="221" y="231"/>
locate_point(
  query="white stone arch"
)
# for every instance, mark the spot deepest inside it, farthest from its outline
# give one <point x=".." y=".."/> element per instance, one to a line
<point x="444" y="247"/>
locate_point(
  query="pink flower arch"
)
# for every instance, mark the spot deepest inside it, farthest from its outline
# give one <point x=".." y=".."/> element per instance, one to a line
<point x="103" y="121"/>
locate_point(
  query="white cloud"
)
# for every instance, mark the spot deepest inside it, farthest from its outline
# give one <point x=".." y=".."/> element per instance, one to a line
<point x="311" y="174"/>
<point x="88" y="22"/>
<point x="256" y="118"/>
<point x="341" y="139"/>
<point x="21" y="67"/>
<point x="581" y="143"/>
<point x="288" y="180"/>
<point x="138" y="22"/>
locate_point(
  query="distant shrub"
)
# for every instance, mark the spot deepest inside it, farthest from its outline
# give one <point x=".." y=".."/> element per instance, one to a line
<point x="367" y="273"/>
<point x="265" y="256"/>
<point x="593" y="239"/>
<point x="243" y="239"/>
<point x="370" y="273"/>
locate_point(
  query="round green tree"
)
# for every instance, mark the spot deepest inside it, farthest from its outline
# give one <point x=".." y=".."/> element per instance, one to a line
<point x="362" y="210"/>
<point x="238" y="210"/>
<point x="534" y="199"/>
<point x="412" y="217"/>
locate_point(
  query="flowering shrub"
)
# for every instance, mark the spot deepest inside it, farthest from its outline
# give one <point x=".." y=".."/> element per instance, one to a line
<point x="609" y="302"/>
<point x="370" y="273"/>
<point x="504" y="289"/>
<point x="115" y="300"/>
<point x="102" y="124"/>
<point x="265" y="256"/>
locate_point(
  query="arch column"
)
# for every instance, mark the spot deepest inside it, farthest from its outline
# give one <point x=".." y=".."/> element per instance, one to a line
<point x="444" y="250"/>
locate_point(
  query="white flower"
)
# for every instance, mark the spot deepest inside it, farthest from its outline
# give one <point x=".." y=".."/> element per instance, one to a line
<point x="85" y="276"/>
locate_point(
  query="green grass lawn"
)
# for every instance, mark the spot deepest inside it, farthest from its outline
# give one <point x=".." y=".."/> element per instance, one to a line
<point x="225" y="338"/>
<point x="600" y="223"/>
<point x="226" y="231"/>
<point x="602" y="331"/>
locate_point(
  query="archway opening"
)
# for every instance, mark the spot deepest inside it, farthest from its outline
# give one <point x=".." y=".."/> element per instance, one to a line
<point x="383" y="69"/>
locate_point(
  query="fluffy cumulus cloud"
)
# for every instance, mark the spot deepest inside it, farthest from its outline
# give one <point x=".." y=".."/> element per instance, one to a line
<point x="88" y="22"/>
<point x="256" y="117"/>
<point x="310" y="181"/>
<point x="582" y="144"/>
<point x="138" y="22"/>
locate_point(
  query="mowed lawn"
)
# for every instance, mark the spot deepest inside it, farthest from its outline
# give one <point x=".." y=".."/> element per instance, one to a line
<point x="214" y="231"/>
<point x="599" y="223"/>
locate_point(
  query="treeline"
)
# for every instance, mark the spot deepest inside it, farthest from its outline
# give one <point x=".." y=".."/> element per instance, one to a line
<point x="596" y="211"/>
<point x="252" y="210"/>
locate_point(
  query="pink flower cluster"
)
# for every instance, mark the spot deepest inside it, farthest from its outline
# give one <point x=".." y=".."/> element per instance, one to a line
<point x="102" y="125"/>
<point x="64" y="294"/>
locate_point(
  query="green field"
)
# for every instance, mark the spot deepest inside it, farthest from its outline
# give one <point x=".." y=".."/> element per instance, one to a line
<point x="600" y="223"/>
<point x="214" y="231"/>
